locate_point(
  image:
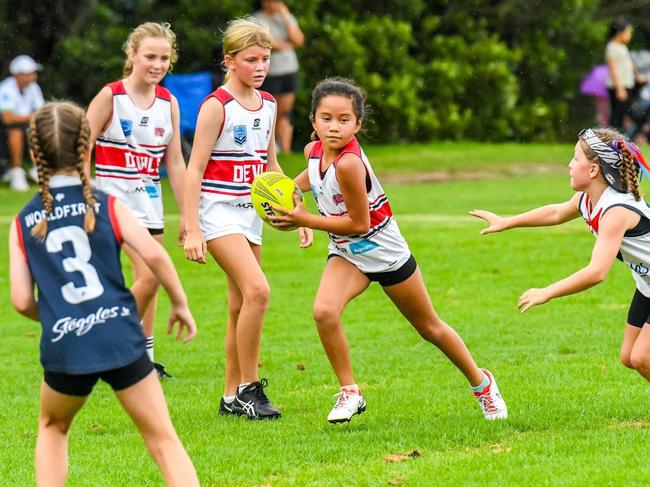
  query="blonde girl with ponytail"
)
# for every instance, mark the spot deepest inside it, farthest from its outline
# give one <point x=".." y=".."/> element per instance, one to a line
<point x="134" y="123"/>
<point x="67" y="242"/>
<point x="233" y="143"/>
<point x="604" y="171"/>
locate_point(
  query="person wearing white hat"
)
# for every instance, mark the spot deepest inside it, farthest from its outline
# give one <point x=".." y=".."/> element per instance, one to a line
<point x="20" y="97"/>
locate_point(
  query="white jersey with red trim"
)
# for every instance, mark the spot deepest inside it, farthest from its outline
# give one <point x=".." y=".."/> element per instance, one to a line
<point x="635" y="247"/>
<point x="240" y="151"/>
<point x="382" y="248"/>
<point x="129" y="152"/>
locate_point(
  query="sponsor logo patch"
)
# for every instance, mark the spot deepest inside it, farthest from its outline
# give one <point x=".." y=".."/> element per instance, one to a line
<point x="362" y="247"/>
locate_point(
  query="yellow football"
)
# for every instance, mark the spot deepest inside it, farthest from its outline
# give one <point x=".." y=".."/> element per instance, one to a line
<point x="272" y="189"/>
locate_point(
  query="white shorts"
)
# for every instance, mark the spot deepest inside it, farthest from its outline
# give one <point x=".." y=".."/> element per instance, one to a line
<point x="218" y="219"/>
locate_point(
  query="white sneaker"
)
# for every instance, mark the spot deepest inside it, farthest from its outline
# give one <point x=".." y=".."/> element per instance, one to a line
<point x="348" y="404"/>
<point x="33" y="174"/>
<point x="490" y="400"/>
<point x="17" y="179"/>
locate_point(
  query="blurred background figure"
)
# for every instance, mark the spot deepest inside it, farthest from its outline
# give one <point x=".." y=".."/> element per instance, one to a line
<point x="595" y="84"/>
<point x="622" y="72"/>
<point x="20" y="97"/>
<point x="282" y="80"/>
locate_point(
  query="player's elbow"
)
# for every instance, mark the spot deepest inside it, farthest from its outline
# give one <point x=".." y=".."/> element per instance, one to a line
<point x="597" y="275"/>
<point x="23" y="302"/>
<point x="359" y="228"/>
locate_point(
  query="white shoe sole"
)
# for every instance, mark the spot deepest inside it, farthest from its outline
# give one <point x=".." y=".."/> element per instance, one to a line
<point x="346" y="420"/>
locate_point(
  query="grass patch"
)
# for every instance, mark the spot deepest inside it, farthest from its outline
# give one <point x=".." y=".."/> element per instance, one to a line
<point x="576" y="414"/>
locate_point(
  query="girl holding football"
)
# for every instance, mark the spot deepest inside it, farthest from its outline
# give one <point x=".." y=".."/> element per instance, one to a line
<point x="135" y="123"/>
<point x="604" y="173"/>
<point x="365" y="246"/>
<point x="66" y="241"/>
<point x="233" y="143"/>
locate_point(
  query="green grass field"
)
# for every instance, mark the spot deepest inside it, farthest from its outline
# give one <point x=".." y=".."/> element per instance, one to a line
<point x="577" y="416"/>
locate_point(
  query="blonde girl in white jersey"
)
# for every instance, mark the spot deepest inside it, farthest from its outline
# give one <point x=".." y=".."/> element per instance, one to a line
<point x="135" y="123"/>
<point x="365" y="245"/>
<point x="604" y="174"/>
<point x="233" y="143"/>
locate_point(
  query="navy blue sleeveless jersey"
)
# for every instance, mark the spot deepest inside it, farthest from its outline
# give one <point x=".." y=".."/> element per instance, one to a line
<point x="89" y="318"/>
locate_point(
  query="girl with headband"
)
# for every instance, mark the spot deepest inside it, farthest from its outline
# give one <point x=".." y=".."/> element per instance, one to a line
<point x="604" y="172"/>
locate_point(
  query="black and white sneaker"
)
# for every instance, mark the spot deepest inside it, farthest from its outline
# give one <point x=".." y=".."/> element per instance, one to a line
<point x="252" y="402"/>
<point x="160" y="370"/>
<point x="225" y="408"/>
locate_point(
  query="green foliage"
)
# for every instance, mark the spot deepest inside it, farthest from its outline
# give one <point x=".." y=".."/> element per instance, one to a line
<point x="478" y="69"/>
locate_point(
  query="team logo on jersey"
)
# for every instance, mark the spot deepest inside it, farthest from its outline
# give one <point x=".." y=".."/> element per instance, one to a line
<point x="127" y="126"/>
<point x="144" y="121"/>
<point x="159" y="131"/>
<point x="256" y="124"/>
<point x="337" y="199"/>
<point x="239" y="134"/>
<point x="59" y="197"/>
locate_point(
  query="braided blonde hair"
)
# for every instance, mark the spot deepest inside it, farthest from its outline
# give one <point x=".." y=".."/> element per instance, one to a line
<point x="629" y="169"/>
<point x="59" y="136"/>
<point x="143" y="31"/>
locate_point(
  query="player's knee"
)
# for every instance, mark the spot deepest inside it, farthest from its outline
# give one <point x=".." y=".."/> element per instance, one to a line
<point x="640" y="359"/>
<point x="258" y="294"/>
<point x="626" y="359"/>
<point x="325" y="314"/>
<point x="51" y="423"/>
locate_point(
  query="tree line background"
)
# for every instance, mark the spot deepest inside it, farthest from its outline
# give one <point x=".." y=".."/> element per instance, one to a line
<point x="433" y="69"/>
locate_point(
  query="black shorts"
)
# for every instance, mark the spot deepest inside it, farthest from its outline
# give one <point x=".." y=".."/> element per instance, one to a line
<point x="82" y="384"/>
<point x="639" y="312"/>
<point x="390" y="278"/>
<point x="156" y="231"/>
<point x="281" y="85"/>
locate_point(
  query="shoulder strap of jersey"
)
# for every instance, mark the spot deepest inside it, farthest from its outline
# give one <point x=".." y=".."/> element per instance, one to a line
<point x="117" y="87"/>
<point x="163" y="93"/>
<point x="266" y="96"/>
<point x="353" y="147"/>
<point x="316" y="150"/>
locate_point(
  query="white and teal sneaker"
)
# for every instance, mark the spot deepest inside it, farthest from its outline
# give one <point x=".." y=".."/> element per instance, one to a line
<point x="490" y="400"/>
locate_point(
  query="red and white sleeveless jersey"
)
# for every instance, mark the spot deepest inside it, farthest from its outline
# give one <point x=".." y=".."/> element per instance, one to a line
<point x="382" y="248"/>
<point x="240" y="151"/>
<point x="635" y="247"/>
<point x="129" y="152"/>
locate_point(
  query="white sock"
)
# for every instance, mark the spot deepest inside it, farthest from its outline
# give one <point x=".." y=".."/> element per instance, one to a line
<point x="242" y="387"/>
<point x="149" y="347"/>
<point x="228" y="399"/>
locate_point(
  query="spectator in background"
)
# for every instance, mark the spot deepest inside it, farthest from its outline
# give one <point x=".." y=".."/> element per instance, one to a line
<point x="622" y="72"/>
<point x="20" y="97"/>
<point x="282" y="80"/>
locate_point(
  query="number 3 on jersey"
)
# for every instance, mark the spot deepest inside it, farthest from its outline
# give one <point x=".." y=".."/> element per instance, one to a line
<point x="78" y="263"/>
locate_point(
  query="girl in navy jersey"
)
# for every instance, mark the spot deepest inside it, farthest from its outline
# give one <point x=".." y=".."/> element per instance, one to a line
<point x="604" y="174"/>
<point x="66" y="241"/>
<point x="365" y="245"/>
<point x="233" y="143"/>
<point x="135" y="123"/>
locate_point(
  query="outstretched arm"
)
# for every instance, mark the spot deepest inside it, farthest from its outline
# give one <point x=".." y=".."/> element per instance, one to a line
<point x="613" y="226"/>
<point x="555" y="214"/>
<point x="161" y="265"/>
